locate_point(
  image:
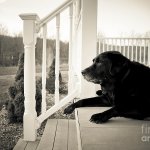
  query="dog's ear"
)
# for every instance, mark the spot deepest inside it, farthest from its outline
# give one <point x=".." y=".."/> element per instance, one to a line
<point x="117" y="64"/>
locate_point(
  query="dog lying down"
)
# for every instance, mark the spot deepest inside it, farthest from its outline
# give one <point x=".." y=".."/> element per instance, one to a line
<point x="125" y="86"/>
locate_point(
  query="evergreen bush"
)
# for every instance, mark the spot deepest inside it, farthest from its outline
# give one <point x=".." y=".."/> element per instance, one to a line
<point x="50" y="81"/>
<point x="15" y="105"/>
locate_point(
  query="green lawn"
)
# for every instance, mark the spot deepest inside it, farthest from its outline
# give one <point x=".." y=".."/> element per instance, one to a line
<point x="6" y="80"/>
<point x="5" y="83"/>
<point x="8" y="70"/>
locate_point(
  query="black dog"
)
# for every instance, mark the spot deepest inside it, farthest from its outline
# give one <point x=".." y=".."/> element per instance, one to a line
<point x="125" y="86"/>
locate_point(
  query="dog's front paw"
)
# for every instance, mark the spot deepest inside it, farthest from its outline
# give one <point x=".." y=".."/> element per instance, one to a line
<point x="99" y="118"/>
<point x="69" y="109"/>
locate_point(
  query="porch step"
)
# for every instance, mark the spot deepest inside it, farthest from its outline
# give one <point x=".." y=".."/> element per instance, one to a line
<point x="58" y="135"/>
<point x="116" y="134"/>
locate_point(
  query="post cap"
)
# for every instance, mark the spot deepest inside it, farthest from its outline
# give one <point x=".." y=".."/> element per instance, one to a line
<point x="29" y="16"/>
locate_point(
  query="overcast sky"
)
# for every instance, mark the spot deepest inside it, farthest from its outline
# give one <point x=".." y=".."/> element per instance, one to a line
<point x="114" y="17"/>
<point x="124" y="16"/>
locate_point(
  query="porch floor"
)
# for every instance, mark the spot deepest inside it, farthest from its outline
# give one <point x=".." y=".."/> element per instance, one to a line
<point x="58" y="135"/>
<point x="116" y="134"/>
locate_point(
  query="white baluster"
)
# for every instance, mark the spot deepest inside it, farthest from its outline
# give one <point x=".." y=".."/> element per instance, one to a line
<point x="149" y="53"/>
<point x="44" y="70"/>
<point x="112" y="44"/>
<point x="124" y="47"/>
<point x="136" y="58"/>
<point x="140" y="53"/>
<point x="29" y="40"/>
<point x="57" y="59"/>
<point x="103" y="45"/>
<point x="132" y="43"/>
<point x="70" y="73"/>
<point x="107" y="44"/>
<point x="144" y="53"/>
<point x="128" y="52"/>
<point x="99" y="45"/>
<point x="120" y="46"/>
<point x="116" y="44"/>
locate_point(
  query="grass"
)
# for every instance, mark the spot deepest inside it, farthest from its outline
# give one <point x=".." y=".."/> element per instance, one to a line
<point x="8" y="70"/>
<point x="5" y="82"/>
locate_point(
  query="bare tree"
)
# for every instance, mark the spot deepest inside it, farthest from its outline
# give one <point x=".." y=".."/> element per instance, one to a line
<point x="3" y="30"/>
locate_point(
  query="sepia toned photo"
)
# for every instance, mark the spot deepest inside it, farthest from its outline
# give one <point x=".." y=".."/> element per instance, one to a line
<point x="74" y="75"/>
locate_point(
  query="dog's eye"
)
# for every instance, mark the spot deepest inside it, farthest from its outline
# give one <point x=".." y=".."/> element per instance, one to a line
<point x="98" y="61"/>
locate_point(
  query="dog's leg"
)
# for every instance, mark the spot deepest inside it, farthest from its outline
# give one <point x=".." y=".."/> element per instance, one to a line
<point x="100" y="101"/>
<point x="104" y="116"/>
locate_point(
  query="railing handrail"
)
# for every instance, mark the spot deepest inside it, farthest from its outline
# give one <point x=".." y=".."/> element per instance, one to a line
<point x="54" y="13"/>
<point x="135" y="48"/>
<point x="59" y="105"/>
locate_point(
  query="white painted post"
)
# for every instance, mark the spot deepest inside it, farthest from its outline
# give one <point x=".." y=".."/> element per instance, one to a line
<point x="57" y="59"/>
<point x="44" y="70"/>
<point x="88" y="42"/>
<point x="29" y="40"/>
<point x="70" y="73"/>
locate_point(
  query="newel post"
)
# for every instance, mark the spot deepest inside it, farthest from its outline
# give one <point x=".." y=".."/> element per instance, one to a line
<point x="29" y="40"/>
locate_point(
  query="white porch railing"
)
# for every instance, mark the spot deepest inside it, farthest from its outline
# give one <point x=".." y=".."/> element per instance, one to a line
<point x="137" y="49"/>
<point x="32" y="25"/>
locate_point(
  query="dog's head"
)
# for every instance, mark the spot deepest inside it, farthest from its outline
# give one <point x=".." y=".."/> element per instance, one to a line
<point x="105" y="66"/>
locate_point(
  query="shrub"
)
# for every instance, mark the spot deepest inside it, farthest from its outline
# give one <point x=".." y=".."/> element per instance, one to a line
<point x="50" y="81"/>
<point x="15" y="105"/>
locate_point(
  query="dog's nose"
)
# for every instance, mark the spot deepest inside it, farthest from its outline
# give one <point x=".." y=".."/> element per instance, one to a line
<point x="83" y="72"/>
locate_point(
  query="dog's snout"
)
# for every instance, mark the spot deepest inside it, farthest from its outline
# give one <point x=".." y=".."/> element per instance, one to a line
<point x="83" y="72"/>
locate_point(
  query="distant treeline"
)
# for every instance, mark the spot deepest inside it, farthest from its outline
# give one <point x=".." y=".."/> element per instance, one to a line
<point x="12" y="47"/>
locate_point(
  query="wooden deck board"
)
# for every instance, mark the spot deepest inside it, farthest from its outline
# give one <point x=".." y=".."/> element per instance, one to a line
<point x="21" y="145"/>
<point x="58" y="135"/>
<point x="72" y="136"/>
<point x="48" y="138"/>
<point x="61" y="135"/>
<point x="114" y="147"/>
<point x="118" y="133"/>
<point x="32" y="145"/>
